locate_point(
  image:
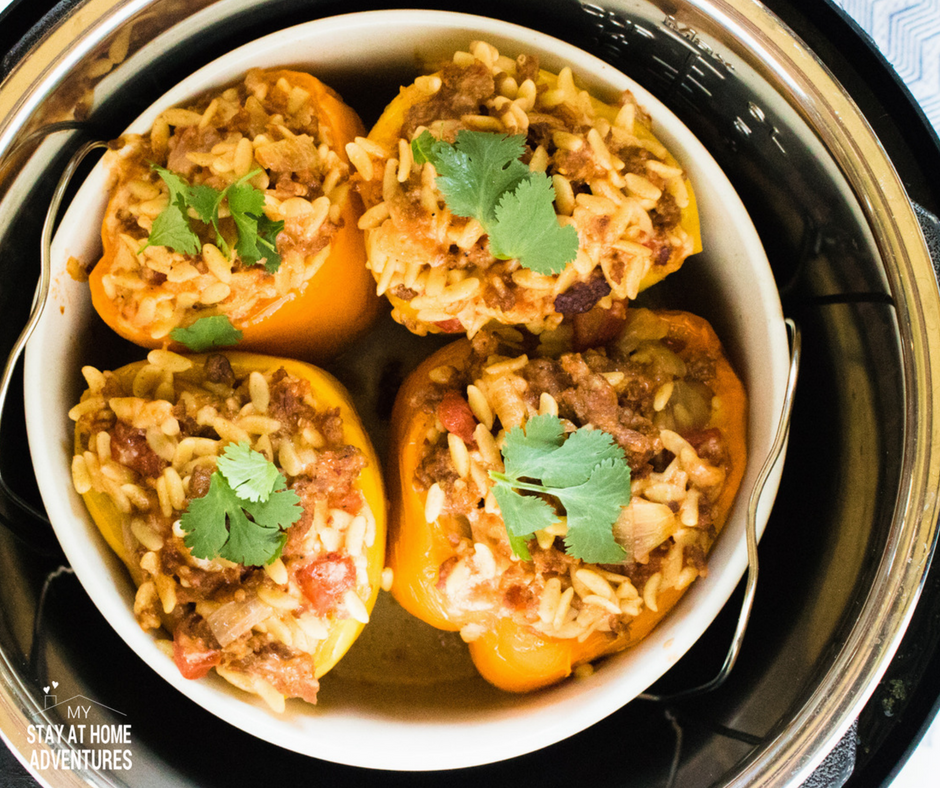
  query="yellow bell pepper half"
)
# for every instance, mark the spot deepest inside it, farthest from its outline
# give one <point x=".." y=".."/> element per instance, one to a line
<point x="387" y="131"/>
<point x="329" y="394"/>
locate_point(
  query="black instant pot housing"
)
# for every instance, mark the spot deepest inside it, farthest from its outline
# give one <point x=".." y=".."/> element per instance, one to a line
<point x="834" y="509"/>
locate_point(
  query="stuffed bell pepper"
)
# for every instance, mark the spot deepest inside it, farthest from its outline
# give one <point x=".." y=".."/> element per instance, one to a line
<point x="245" y="499"/>
<point x="554" y="509"/>
<point x="496" y="190"/>
<point x="233" y="222"/>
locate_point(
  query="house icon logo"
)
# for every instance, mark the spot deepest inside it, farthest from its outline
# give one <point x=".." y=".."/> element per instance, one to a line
<point x="76" y="707"/>
<point x="78" y="742"/>
<point x="50" y="699"/>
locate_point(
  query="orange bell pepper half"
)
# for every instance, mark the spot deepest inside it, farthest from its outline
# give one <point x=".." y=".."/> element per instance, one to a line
<point x="314" y="320"/>
<point x="508" y="653"/>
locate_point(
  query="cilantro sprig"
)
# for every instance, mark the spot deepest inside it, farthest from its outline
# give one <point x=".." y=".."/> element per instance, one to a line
<point x="482" y="177"/>
<point x="171" y="228"/>
<point x="257" y="234"/>
<point x="207" y="333"/>
<point x="246" y="512"/>
<point x="586" y="473"/>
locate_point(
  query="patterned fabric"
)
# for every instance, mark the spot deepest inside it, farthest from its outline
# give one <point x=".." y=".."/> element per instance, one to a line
<point x="908" y="34"/>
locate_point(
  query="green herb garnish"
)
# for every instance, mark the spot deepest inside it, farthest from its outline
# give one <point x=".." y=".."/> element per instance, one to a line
<point x="207" y="333"/>
<point x="257" y="233"/>
<point x="481" y="177"/>
<point x="171" y="227"/>
<point x="586" y="473"/>
<point x="245" y="513"/>
<point x="248" y="472"/>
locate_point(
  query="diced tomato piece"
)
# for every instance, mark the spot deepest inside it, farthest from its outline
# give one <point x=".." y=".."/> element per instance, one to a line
<point x="452" y="326"/>
<point x="350" y="501"/>
<point x="598" y="326"/>
<point x="456" y="416"/>
<point x="325" y="579"/>
<point x="191" y="656"/>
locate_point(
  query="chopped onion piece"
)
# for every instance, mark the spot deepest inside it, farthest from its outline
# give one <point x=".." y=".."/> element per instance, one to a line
<point x="642" y="527"/>
<point x="691" y="405"/>
<point x="234" y="619"/>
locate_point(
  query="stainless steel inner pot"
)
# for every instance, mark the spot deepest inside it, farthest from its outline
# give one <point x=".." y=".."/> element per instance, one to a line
<point x="854" y="528"/>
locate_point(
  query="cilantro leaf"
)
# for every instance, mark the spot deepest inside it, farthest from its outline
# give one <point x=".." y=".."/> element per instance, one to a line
<point x="575" y="460"/>
<point x="282" y="506"/>
<point x="481" y="176"/>
<point x="245" y="198"/>
<point x="257" y="240"/>
<point x="179" y="189"/>
<point x="171" y="229"/>
<point x="241" y="519"/>
<point x="527" y="228"/>
<point x="519" y="547"/>
<point x="206" y="201"/>
<point x="422" y="147"/>
<point x="477" y="170"/>
<point x="250" y="543"/>
<point x="268" y="231"/>
<point x="523" y="514"/>
<point x="249" y="473"/>
<point x="257" y="234"/>
<point x="598" y="500"/>
<point x="207" y="333"/>
<point x="204" y="519"/>
<point x="247" y="246"/>
<point x="586" y="473"/>
<point x="522" y="450"/>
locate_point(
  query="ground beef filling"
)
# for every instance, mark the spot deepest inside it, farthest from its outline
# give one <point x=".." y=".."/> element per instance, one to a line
<point x="258" y="626"/>
<point x="607" y="389"/>
<point x="618" y="187"/>
<point x="462" y="92"/>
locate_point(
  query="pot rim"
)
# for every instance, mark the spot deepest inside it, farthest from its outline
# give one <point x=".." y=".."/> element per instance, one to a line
<point x="795" y="748"/>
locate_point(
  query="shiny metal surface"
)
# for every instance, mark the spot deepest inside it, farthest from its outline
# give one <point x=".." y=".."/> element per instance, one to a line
<point x="800" y="743"/>
<point x="40" y="297"/>
<point x="849" y="257"/>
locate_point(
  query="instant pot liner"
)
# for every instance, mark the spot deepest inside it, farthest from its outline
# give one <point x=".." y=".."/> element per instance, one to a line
<point x="852" y="334"/>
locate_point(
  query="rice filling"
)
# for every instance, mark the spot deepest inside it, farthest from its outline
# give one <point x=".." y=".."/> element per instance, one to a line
<point x="655" y="404"/>
<point x="151" y="443"/>
<point x="612" y="181"/>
